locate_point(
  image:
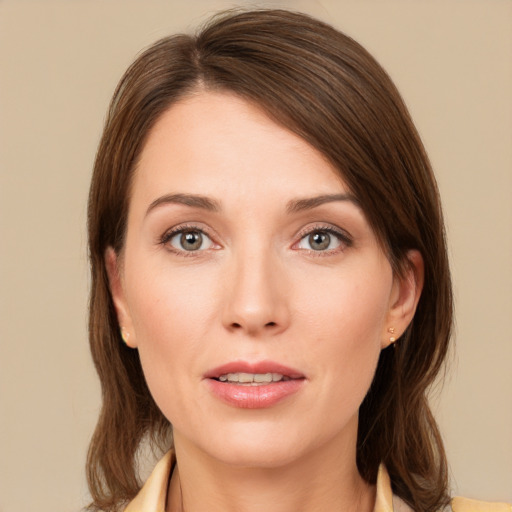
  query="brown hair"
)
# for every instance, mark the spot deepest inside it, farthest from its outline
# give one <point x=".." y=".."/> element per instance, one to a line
<point x="326" y="88"/>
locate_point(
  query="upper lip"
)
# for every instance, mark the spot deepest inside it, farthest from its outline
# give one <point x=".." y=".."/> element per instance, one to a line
<point x="253" y="367"/>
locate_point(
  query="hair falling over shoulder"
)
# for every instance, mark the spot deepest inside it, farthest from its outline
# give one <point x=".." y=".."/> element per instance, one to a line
<point x="327" y="89"/>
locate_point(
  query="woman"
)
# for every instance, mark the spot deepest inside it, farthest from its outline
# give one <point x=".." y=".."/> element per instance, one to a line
<point x="267" y="240"/>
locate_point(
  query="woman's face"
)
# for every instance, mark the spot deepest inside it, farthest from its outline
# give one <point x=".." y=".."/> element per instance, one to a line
<point x="247" y="259"/>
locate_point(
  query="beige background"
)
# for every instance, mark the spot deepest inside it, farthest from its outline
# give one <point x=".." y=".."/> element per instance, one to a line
<point x="59" y="63"/>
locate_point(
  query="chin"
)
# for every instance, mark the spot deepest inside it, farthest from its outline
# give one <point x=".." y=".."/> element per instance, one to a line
<point x="257" y="455"/>
<point x="259" y="445"/>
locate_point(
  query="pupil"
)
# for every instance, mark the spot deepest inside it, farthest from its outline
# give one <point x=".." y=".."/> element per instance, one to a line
<point x="319" y="241"/>
<point x="191" y="240"/>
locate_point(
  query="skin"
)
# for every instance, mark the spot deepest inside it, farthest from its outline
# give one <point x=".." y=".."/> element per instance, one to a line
<point x="256" y="290"/>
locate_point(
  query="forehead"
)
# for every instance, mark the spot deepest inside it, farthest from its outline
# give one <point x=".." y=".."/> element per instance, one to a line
<point x="217" y="143"/>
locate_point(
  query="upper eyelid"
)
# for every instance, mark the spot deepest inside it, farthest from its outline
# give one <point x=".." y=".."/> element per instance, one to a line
<point x="188" y="227"/>
<point x="324" y="227"/>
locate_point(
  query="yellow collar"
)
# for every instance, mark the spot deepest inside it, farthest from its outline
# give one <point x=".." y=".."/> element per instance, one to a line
<point x="152" y="496"/>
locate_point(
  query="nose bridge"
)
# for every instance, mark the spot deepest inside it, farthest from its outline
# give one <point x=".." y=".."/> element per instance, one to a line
<point x="256" y="298"/>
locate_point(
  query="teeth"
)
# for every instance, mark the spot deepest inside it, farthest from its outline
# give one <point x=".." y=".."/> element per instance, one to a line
<point x="262" y="377"/>
<point x="244" y="377"/>
<point x="252" y="378"/>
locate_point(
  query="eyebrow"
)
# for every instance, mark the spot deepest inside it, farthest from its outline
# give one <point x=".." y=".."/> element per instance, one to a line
<point x="309" y="203"/>
<point x="206" y="203"/>
<point x="192" y="200"/>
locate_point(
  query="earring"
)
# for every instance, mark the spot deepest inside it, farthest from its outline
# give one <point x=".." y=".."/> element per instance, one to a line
<point x="391" y="330"/>
<point x="124" y="336"/>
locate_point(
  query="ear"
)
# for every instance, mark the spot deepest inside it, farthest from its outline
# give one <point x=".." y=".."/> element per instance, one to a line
<point x="404" y="298"/>
<point x="112" y="265"/>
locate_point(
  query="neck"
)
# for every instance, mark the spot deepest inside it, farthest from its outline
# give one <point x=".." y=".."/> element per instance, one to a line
<point x="327" y="479"/>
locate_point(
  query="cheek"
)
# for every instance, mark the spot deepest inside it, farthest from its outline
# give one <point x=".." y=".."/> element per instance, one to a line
<point x="349" y="305"/>
<point x="172" y="310"/>
<point x="345" y="315"/>
<point x="170" y="304"/>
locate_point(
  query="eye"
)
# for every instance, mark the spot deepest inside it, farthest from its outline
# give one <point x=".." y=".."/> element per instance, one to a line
<point x="188" y="240"/>
<point x="323" y="240"/>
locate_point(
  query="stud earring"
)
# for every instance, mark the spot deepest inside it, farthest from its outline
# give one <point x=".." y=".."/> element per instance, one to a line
<point x="124" y="336"/>
<point x="391" y="330"/>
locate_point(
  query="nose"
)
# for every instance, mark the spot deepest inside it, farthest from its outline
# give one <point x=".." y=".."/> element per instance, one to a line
<point x="256" y="301"/>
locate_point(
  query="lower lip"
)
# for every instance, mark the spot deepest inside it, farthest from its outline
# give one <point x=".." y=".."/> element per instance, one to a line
<point x="254" y="397"/>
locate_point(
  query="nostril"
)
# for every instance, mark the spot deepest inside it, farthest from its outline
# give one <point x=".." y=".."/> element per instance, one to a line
<point x="270" y="324"/>
<point x="236" y="325"/>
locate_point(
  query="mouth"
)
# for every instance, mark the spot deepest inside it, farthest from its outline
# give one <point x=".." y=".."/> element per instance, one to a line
<point x="254" y="385"/>
<point x="260" y="372"/>
<point x="252" y="379"/>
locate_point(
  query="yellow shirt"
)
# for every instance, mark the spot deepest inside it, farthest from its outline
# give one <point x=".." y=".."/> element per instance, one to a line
<point x="153" y="495"/>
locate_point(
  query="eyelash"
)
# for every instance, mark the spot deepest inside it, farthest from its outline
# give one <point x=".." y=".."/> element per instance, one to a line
<point x="343" y="237"/>
<point x="182" y="228"/>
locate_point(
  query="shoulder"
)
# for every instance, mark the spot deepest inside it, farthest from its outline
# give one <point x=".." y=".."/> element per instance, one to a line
<point x="459" y="505"/>
<point x="467" y="505"/>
